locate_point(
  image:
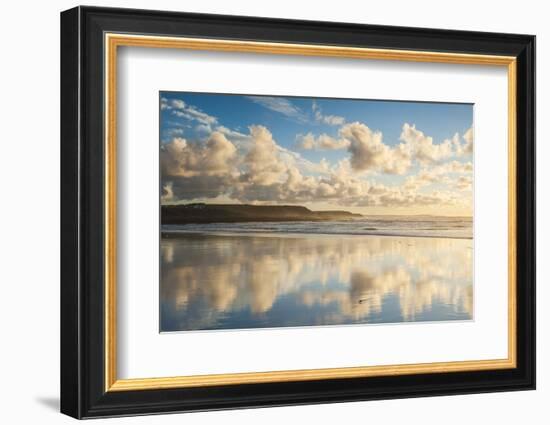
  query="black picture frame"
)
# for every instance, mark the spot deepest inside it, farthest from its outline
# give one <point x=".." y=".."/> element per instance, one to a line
<point x="83" y="392"/>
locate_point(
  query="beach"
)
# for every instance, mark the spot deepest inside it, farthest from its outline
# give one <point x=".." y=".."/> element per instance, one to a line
<point x="219" y="277"/>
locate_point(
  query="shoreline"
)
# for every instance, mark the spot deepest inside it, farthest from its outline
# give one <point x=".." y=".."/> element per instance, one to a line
<point x="302" y="234"/>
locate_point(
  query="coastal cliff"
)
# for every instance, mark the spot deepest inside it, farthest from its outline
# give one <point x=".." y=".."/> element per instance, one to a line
<point x="236" y="213"/>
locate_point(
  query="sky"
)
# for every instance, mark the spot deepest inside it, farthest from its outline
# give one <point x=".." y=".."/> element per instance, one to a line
<point x="368" y="156"/>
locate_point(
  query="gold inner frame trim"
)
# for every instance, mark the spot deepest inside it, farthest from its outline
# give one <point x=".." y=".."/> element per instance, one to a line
<point x="113" y="41"/>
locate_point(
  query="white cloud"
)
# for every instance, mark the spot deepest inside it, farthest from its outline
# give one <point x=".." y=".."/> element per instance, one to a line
<point x="439" y="174"/>
<point x="261" y="171"/>
<point x="281" y="105"/>
<point x="263" y="164"/>
<point x="466" y="148"/>
<point x="464" y="183"/>
<point x="189" y="112"/>
<point x="322" y="142"/>
<point x="200" y="116"/>
<point x="252" y="167"/>
<point x="469" y="136"/>
<point x="398" y="197"/>
<point x="197" y="170"/>
<point x="196" y="115"/>
<point x="321" y="167"/>
<point x="422" y="147"/>
<point x="234" y="136"/>
<point x="204" y="129"/>
<point x="166" y="103"/>
<point x="167" y="193"/>
<point x="369" y="153"/>
<point x="326" y="119"/>
<point x="178" y="104"/>
<point x="180" y="158"/>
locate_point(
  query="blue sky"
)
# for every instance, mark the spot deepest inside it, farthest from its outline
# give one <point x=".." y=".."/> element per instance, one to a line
<point x="381" y="143"/>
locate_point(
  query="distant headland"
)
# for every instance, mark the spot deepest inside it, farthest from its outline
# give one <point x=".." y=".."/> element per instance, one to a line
<point x="200" y="213"/>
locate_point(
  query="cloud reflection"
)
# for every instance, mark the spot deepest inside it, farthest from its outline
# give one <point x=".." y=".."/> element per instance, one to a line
<point x="234" y="282"/>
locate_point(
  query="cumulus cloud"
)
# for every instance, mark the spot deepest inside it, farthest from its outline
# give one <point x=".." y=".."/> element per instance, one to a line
<point x="469" y="136"/>
<point x="261" y="171"/>
<point x="466" y="148"/>
<point x="266" y="173"/>
<point x="326" y="119"/>
<point x="464" y="183"/>
<point x="263" y="164"/>
<point x="401" y="197"/>
<point x="208" y="160"/>
<point x="445" y="173"/>
<point x="366" y="147"/>
<point x="321" y="167"/>
<point x="322" y="142"/>
<point x="194" y="170"/>
<point x="180" y="158"/>
<point x="422" y="147"/>
<point x="369" y="153"/>
<point x="270" y="173"/>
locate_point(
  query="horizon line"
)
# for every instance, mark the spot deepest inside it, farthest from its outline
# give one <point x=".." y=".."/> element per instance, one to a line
<point x="303" y="206"/>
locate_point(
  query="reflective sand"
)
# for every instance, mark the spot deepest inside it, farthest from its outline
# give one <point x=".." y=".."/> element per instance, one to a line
<point x="253" y="281"/>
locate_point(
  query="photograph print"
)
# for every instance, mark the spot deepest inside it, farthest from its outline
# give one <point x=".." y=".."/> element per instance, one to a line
<point x="280" y="211"/>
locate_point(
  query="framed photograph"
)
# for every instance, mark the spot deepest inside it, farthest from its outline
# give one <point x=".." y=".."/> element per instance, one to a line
<point x="261" y="212"/>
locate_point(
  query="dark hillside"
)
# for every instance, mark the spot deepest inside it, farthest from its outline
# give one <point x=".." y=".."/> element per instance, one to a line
<point x="221" y="213"/>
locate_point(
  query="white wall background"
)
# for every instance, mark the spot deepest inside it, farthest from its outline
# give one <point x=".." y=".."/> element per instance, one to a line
<point x="29" y="224"/>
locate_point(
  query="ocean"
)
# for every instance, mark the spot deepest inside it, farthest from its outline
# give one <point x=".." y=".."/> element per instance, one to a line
<point x="293" y="274"/>
<point x="421" y="226"/>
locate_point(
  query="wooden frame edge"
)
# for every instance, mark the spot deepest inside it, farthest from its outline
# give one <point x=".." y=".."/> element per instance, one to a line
<point x="137" y="384"/>
<point x="114" y="40"/>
